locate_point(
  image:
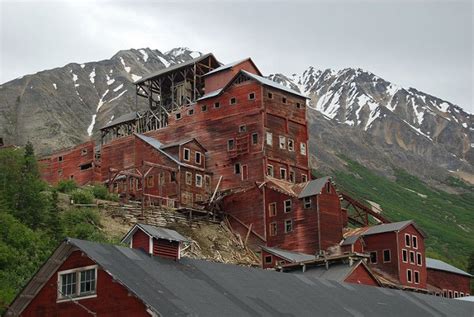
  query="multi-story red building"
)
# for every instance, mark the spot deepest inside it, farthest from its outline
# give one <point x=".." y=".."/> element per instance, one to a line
<point x="446" y="280"/>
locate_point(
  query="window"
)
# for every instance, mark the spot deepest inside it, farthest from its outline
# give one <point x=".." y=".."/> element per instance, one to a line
<point x="298" y="105"/>
<point x="83" y="152"/>
<point x="304" y="178"/>
<point x="77" y="283"/>
<point x="254" y="138"/>
<point x="412" y="257"/>
<point x="283" y="99"/>
<point x="307" y="202"/>
<point x="71" y="176"/>
<point x="287" y="204"/>
<point x="178" y="116"/>
<point x="187" y="154"/>
<point x="414" y="242"/>
<point x="273" y="229"/>
<point x="217" y="105"/>
<point x="173" y="176"/>
<point x="418" y="259"/>
<point x="252" y="96"/>
<point x="243" y="128"/>
<point x="272" y="209"/>
<point x="409" y="278"/>
<point x="270" y="170"/>
<point x="445" y="293"/>
<point x="450" y="294"/>
<point x="190" y="112"/>
<point x="282" y="142"/>
<point x="204" y="108"/>
<point x="291" y="145"/>
<point x="270" y="95"/>
<point x="150" y="181"/>
<point x="60" y="172"/>
<point x="288" y="225"/>
<point x="60" y="158"/>
<point x="237" y="168"/>
<point x="461" y="294"/>
<point x="292" y="176"/>
<point x="456" y="294"/>
<point x="417" y="277"/>
<point x="269" y="137"/>
<point x="230" y="144"/>
<point x="197" y="157"/>
<point x="283" y="173"/>
<point x="386" y="256"/>
<point x="198" y="180"/>
<point x="373" y="257"/>
<point x="303" y="148"/>
<point x="404" y="256"/>
<point x="189" y="178"/>
<point x="86" y="166"/>
<point x="268" y="259"/>
<point x="407" y="240"/>
<point x="198" y="197"/>
<point x="232" y="101"/>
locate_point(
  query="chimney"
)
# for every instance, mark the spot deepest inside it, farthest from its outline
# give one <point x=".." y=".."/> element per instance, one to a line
<point x="156" y="241"/>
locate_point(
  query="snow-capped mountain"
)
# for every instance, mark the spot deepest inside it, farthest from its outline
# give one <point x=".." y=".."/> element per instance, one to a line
<point x="64" y="106"/>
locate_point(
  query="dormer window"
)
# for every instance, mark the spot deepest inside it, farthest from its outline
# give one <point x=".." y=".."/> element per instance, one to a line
<point x="76" y="283"/>
<point x="186" y="154"/>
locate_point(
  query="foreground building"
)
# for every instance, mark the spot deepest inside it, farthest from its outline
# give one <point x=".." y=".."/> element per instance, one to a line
<point x="84" y="278"/>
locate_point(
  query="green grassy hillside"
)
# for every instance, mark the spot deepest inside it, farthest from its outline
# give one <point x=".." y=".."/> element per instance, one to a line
<point x="447" y="219"/>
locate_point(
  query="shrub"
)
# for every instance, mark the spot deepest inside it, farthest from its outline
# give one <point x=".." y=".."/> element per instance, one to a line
<point x="66" y="186"/>
<point x="82" y="196"/>
<point x="100" y="191"/>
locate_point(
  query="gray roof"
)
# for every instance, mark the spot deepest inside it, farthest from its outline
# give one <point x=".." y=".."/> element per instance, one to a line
<point x="174" y="67"/>
<point x="271" y="83"/>
<point x="226" y="66"/>
<point x="336" y="272"/>
<point x="289" y="255"/>
<point x="211" y="94"/>
<point x="387" y="227"/>
<point x="443" y="266"/>
<point x="124" y="118"/>
<point x="350" y="240"/>
<point x="200" y="288"/>
<point x="314" y="187"/>
<point x="155" y="232"/>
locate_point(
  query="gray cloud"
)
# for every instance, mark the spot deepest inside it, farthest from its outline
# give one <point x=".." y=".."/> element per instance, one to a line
<point x="423" y="44"/>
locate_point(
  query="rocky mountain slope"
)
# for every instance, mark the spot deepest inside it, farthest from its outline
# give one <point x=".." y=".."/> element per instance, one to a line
<point x="358" y="114"/>
<point x="352" y="112"/>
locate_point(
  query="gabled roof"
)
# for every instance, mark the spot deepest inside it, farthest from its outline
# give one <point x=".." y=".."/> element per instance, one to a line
<point x="350" y="240"/>
<point x="175" y="67"/>
<point x="314" y="187"/>
<point x="262" y="80"/>
<point x="124" y="118"/>
<point x="183" y="142"/>
<point x="443" y="266"/>
<point x="155" y="232"/>
<point x="200" y="288"/>
<point x="289" y="255"/>
<point x="299" y="190"/>
<point x="230" y="65"/>
<point x="383" y="228"/>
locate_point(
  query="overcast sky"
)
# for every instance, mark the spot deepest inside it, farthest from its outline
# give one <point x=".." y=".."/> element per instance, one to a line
<point x="423" y="44"/>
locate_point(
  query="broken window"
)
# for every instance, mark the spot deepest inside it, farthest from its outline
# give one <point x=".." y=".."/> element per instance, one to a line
<point x="288" y="225"/>
<point x="283" y="173"/>
<point x="282" y="142"/>
<point x="270" y="170"/>
<point x="217" y="105"/>
<point x="178" y="115"/>
<point x="173" y="176"/>
<point x="237" y="168"/>
<point x="86" y="166"/>
<point x="203" y="108"/>
<point x="198" y="180"/>
<point x="197" y="157"/>
<point x="232" y="101"/>
<point x="190" y="112"/>
<point x="304" y="178"/>
<point x="409" y="278"/>
<point x="292" y="176"/>
<point x="268" y="259"/>
<point x="207" y="182"/>
<point x="83" y="152"/>
<point x="270" y="95"/>
<point x="373" y="257"/>
<point x="283" y="99"/>
<point x="243" y="128"/>
<point x="60" y="158"/>
<point x="386" y="256"/>
<point x="291" y="145"/>
<point x="272" y="209"/>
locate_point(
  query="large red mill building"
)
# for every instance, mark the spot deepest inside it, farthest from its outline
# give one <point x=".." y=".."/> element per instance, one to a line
<point x="213" y="128"/>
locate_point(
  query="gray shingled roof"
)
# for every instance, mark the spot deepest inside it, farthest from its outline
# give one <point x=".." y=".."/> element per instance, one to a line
<point x="174" y="67"/>
<point x="155" y="232"/>
<point x="314" y="187"/>
<point x="443" y="266"/>
<point x="336" y="272"/>
<point x="289" y="255"/>
<point x="192" y="287"/>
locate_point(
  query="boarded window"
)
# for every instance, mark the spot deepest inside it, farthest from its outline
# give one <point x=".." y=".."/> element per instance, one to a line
<point x="269" y="138"/>
<point x="272" y="209"/>
<point x="189" y="178"/>
<point x="288" y="225"/>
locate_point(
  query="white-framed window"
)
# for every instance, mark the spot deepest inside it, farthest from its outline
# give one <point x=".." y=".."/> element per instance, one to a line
<point x="292" y="177"/>
<point x="386" y="256"/>
<point x="407" y="240"/>
<point x="282" y="142"/>
<point x="307" y="202"/>
<point x="450" y="294"/>
<point x="273" y="229"/>
<point x="287" y="205"/>
<point x="304" y="178"/>
<point x="419" y="260"/>
<point x="272" y="209"/>
<point x="303" y="148"/>
<point x="291" y="145"/>
<point x="373" y="257"/>
<point x="60" y="158"/>
<point x="270" y="171"/>
<point x="232" y="101"/>
<point x="189" y="178"/>
<point x="456" y="294"/>
<point x="414" y="242"/>
<point x="83" y="152"/>
<point x="288" y="225"/>
<point x="409" y="276"/>
<point x="417" y="277"/>
<point x="283" y="173"/>
<point x="77" y="283"/>
<point x="186" y="154"/>
<point x="412" y="257"/>
<point x="198" y="180"/>
<point x="251" y="96"/>
<point x="404" y="256"/>
<point x="197" y="157"/>
<point x="269" y="138"/>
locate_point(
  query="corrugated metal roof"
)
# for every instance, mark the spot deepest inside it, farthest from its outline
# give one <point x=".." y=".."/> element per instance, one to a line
<point x="226" y="66"/>
<point x="289" y="255"/>
<point x="314" y="187"/>
<point x="162" y="233"/>
<point x="443" y="266"/>
<point x="271" y="83"/>
<point x="201" y="288"/>
<point x="125" y="118"/>
<point x="350" y="240"/>
<point x="174" y="67"/>
<point x="335" y="272"/>
<point x="387" y="227"/>
<point x="211" y="94"/>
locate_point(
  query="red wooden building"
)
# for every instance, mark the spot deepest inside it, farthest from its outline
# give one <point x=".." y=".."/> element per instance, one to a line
<point x="446" y="280"/>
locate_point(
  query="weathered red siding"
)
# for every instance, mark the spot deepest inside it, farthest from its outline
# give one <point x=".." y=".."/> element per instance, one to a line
<point x="220" y="79"/>
<point x="449" y="281"/>
<point x="360" y="275"/>
<point x="112" y="298"/>
<point x="141" y="240"/>
<point x="276" y="260"/>
<point x="166" y="249"/>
